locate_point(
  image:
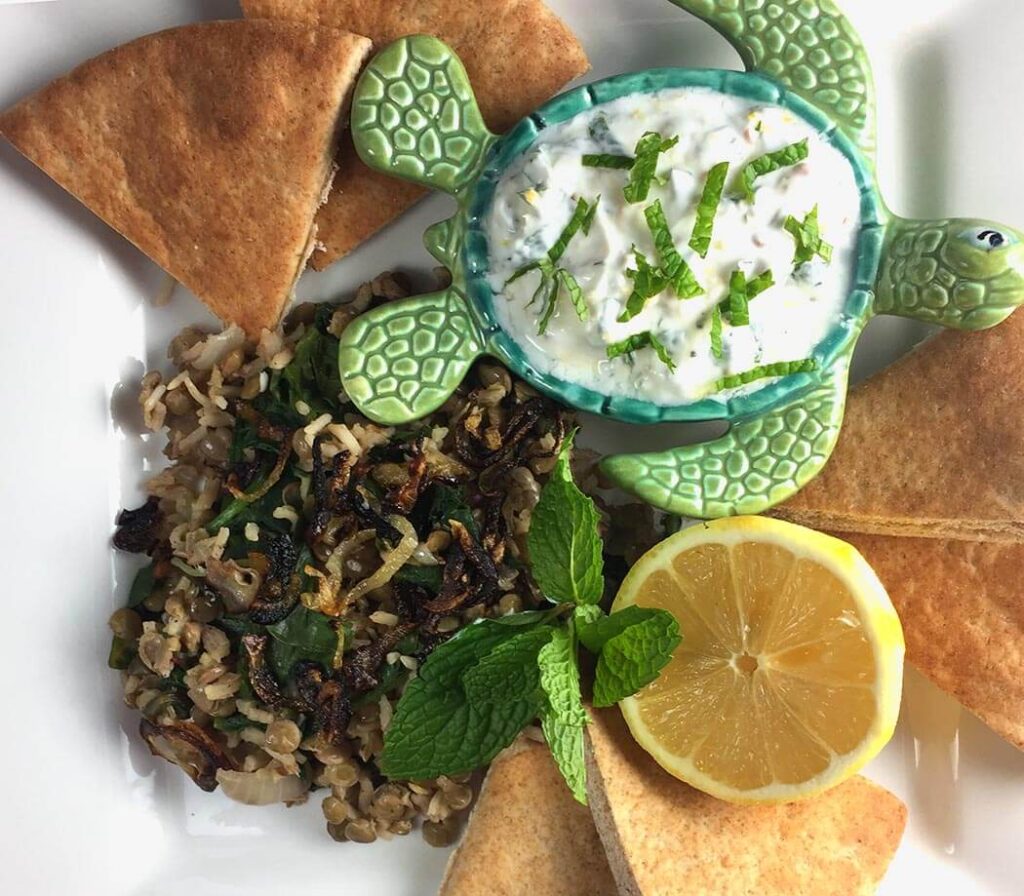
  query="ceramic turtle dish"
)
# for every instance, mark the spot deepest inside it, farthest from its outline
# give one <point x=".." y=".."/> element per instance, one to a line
<point x="668" y="245"/>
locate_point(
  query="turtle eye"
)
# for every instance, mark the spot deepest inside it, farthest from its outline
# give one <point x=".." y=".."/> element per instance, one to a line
<point x="988" y="238"/>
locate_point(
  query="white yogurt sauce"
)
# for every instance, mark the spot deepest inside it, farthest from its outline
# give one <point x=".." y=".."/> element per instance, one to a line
<point x="536" y="196"/>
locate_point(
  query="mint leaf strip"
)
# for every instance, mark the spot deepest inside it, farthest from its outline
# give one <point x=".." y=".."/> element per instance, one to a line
<point x="565" y="547"/>
<point x="571" y="285"/>
<point x="707" y="208"/>
<point x="716" y="332"/>
<point x="639" y="341"/>
<point x="739" y="314"/>
<point x="766" y="164"/>
<point x="781" y="368"/>
<point x="563" y="717"/>
<point x="608" y="160"/>
<point x="648" y="281"/>
<point x="648" y="149"/>
<point x="673" y="265"/>
<point x="808" y="238"/>
<point x="579" y="217"/>
<point x="632" y="659"/>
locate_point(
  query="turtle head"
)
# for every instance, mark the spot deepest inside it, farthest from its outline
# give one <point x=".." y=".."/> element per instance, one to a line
<point x="963" y="273"/>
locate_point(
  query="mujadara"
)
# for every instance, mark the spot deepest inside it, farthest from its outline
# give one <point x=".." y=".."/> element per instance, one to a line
<point x="304" y="561"/>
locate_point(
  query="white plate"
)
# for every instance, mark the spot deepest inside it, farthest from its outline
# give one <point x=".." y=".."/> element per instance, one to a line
<point x="85" y="809"/>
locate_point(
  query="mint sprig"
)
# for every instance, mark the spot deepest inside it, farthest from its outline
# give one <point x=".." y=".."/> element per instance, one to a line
<point x="769" y="163"/>
<point x="477" y="691"/>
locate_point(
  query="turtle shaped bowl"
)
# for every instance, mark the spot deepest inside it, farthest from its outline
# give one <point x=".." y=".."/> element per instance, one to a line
<point x="414" y="116"/>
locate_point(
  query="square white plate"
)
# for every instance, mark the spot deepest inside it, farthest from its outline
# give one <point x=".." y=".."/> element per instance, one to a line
<point x="85" y="809"/>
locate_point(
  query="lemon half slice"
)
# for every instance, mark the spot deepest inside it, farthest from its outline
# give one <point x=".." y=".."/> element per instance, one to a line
<point x="789" y="674"/>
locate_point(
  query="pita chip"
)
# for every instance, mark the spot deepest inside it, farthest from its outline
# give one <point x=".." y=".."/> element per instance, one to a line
<point x="664" y="838"/>
<point x="962" y="607"/>
<point x="518" y="53"/>
<point x="209" y="146"/>
<point x="931" y="446"/>
<point x="527" y="835"/>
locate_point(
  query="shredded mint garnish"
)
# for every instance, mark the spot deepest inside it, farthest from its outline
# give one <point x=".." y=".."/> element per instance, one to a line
<point x="754" y="288"/>
<point x="781" y="368"/>
<point x="554" y="279"/>
<point x="739" y="313"/>
<point x="808" y="238"/>
<point x="707" y="208"/>
<point x="766" y="164"/>
<point x="607" y="160"/>
<point x="673" y="265"/>
<point x="648" y="281"/>
<point x="640" y="341"/>
<point x="716" y="332"/>
<point x="476" y="692"/>
<point x="649" y="147"/>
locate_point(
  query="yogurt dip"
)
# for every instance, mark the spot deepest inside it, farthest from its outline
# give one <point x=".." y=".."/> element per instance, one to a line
<point x="536" y="197"/>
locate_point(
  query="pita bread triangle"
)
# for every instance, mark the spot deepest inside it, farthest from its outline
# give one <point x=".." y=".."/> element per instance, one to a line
<point x="209" y="146"/>
<point x="517" y="53"/>
<point x="663" y="838"/>
<point x="933" y="446"/>
<point x="962" y="609"/>
<point x="527" y="835"/>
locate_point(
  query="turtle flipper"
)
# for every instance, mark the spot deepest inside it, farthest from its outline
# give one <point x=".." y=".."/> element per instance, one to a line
<point x="414" y="116"/>
<point x="807" y="45"/>
<point x="757" y="464"/>
<point x="403" y="360"/>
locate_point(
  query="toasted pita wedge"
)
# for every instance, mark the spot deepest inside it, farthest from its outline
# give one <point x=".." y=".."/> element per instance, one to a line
<point x="527" y="835"/>
<point x="931" y="446"/>
<point x="962" y="607"/>
<point x="209" y="146"/>
<point x="517" y="53"/>
<point x="664" y="838"/>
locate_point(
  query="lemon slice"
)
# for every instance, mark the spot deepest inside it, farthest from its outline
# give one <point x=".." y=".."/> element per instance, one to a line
<point x="789" y="674"/>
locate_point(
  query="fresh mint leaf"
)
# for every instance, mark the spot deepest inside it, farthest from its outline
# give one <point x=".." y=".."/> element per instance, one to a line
<point x="639" y="341"/>
<point x="563" y="718"/>
<point x="302" y="635"/>
<point x="780" y="368"/>
<point x="770" y="162"/>
<point x="648" y="149"/>
<point x="673" y="265"/>
<point x="437" y="729"/>
<point x="596" y="633"/>
<point x="564" y="544"/>
<point x="582" y="216"/>
<point x="510" y="670"/>
<point x="440" y="504"/>
<point x="633" y="658"/>
<point x="707" y="208"/>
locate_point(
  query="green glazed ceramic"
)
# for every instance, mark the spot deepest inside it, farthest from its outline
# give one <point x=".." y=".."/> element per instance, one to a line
<point x="414" y="116"/>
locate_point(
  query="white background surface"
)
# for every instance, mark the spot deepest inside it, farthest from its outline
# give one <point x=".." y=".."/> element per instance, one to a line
<point x="83" y="808"/>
